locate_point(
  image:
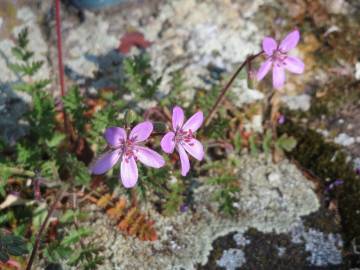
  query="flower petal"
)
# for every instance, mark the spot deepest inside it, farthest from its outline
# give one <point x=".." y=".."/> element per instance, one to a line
<point x="194" y="122"/>
<point x="168" y="142"/>
<point x="141" y="131"/>
<point x="114" y="136"/>
<point x="278" y="76"/>
<point x="294" y="65"/>
<point x="149" y="157"/>
<point x="290" y="41"/>
<point x="105" y="162"/>
<point x="264" y="69"/>
<point x="128" y="172"/>
<point x="194" y="148"/>
<point x="269" y="45"/>
<point x="177" y="118"/>
<point x="184" y="160"/>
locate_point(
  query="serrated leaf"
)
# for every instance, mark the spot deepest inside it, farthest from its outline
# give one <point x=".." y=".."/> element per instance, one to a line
<point x="286" y="143"/>
<point x="39" y="216"/>
<point x="75" y="236"/>
<point x="16" y="250"/>
<point x="3" y="256"/>
<point x="56" y="139"/>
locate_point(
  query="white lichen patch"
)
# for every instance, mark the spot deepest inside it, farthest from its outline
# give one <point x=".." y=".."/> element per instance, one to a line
<point x="241" y="240"/>
<point x="325" y="249"/>
<point x="186" y="35"/>
<point x="344" y="139"/>
<point x="185" y="240"/>
<point x="232" y="259"/>
<point x="300" y="102"/>
<point x="198" y="34"/>
<point x="281" y="251"/>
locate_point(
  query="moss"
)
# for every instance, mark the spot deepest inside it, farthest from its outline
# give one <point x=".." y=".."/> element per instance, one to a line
<point x="328" y="161"/>
<point x="333" y="99"/>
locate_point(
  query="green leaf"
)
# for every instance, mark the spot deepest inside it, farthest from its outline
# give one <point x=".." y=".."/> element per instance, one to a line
<point x="4" y="257"/>
<point x="76" y="235"/>
<point x="238" y="142"/>
<point x="253" y="147"/>
<point x="267" y="140"/>
<point x="56" y="139"/>
<point x="11" y="245"/>
<point x="70" y="215"/>
<point x="39" y="216"/>
<point x="286" y="143"/>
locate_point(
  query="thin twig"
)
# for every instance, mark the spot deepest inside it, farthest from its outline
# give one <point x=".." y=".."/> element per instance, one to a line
<point x="227" y="86"/>
<point x="43" y="226"/>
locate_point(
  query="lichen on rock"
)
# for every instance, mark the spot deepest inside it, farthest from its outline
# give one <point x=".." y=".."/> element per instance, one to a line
<point x="185" y="240"/>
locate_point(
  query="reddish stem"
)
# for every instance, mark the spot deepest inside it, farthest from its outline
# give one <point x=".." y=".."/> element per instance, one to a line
<point x="227" y="87"/>
<point x="59" y="47"/>
<point x="43" y="227"/>
<point x="60" y="57"/>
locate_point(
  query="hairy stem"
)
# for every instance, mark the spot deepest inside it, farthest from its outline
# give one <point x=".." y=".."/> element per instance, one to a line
<point x="274" y="114"/>
<point x="227" y="87"/>
<point x="43" y="226"/>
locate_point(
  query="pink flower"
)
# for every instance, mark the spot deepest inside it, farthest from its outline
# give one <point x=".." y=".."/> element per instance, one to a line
<point x="182" y="138"/>
<point x="279" y="60"/>
<point x="128" y="150"/>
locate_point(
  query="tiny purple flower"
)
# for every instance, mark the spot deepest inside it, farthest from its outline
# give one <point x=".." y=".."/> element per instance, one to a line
<point x="281" y="119"/>
<point x="182" y="138"/>
<point x="278" y="59"/>
<point x="128" y="150"/>
<point x="184" y="208"/>
<point x="334" y="184"/>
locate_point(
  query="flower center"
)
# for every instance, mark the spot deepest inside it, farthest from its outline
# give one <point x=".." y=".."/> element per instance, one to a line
<point x="279" y="57"/>
<point x="127" y="148"/>
<point x="182" y="136"/>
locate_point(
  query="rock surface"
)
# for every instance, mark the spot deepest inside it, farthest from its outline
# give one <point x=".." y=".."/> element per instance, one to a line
<point x="186" y="239"/>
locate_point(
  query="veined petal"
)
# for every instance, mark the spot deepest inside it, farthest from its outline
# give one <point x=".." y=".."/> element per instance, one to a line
<point x="105" y="162"/>
<point x="184" y="160"/>
<point x="269" y="45"/>
<point x="278" y="76"/>
<point x="114" y="136"/>
<point x="141" y="131"/>
<point x="290" y="41"/>
<point x="177" y="118"/>
<point x="194" y="148"/>
<point x="168" y="142"/>
<point x="128" y="172"/>
<point x="149" y="157"/>
<point x="194" y="122"/>
<point x="264" y="69"/>
<point x="294" y="64"/>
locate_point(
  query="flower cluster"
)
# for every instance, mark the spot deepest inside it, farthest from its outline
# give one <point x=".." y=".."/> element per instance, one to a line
<point x="128" y="149"/>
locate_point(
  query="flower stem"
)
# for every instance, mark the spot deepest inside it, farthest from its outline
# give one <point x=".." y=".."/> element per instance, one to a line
<point x="275" y="106"/>
<point x="227" y="87"/>
<point x="60" y="59"/>
<point x="43" y="225"/>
